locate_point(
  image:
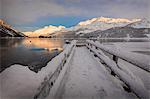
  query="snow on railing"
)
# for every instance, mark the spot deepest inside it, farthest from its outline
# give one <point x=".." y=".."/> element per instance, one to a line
<point x="50" y="74"/>
<point x="133" y="82"/>
<point x="61" y="80"/>
<point x="141" y="61"/>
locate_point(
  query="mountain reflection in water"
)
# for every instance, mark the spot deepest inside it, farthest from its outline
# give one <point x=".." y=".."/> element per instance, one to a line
<point x="32" y="52"/>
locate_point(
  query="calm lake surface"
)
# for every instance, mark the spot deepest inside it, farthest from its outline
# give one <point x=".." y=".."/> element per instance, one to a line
<point x="35" y="52"/>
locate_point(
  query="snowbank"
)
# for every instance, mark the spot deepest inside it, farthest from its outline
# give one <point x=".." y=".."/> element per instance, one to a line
<point x="18" y="82"/>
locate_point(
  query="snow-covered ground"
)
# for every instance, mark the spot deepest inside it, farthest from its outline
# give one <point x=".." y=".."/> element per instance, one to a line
<point x="89" y="79"/>
<point x="18" y="82"/>
<point x="130" y="46"/>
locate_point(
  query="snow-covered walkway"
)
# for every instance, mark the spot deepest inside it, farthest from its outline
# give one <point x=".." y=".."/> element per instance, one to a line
<point x="89" y="79"/>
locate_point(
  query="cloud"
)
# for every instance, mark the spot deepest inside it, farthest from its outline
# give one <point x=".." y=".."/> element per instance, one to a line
<point x="25" y="11"/>
<point x="28" y="11"/>
<point x="114" y="8"/>
<point x="129" y="9"/>
<point x="0" y="8"/>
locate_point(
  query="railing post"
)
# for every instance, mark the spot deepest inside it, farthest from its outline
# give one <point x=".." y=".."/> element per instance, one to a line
<point x="96" y="47"/>
<point x="115" y="58"/>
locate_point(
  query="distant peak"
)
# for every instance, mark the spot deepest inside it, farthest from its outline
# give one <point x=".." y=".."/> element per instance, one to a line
<point x="4" y="23"/>
<point x="143" y="23"/>
<point x="145" y="20"/>
<point x="55" y="26"/>
<point x="45" y="31"/>
<point x="107" y="20"/>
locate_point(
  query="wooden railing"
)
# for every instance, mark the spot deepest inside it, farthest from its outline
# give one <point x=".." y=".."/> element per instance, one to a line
<point x="134" y="83"/>
<point x="135" y="59"/>
<point x="49" y="80"/>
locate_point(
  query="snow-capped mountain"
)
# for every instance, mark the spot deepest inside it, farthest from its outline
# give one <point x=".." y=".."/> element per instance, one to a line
<point x="4" y="24"/>
<point x="138" y="29"/>
<point x="7" y="31"/>
<point x="101" y="26"/>
<point x="101" y="23"/>
<point x="107" y="20"/>
<point x="143" y="23"/>
<point x="47" y="30"/>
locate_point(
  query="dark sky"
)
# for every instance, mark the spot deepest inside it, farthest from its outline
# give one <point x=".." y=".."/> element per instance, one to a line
<point x="31" y="14"/>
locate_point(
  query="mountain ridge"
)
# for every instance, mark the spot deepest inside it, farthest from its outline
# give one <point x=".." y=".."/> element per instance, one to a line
<point x="100" y="24"/>
<point x="47" y="30"/>
<point x="108" y="20"/>
<point x="7" y="31"/>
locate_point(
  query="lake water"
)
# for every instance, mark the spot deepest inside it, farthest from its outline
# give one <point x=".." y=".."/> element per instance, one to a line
<point x="35" y="52"/>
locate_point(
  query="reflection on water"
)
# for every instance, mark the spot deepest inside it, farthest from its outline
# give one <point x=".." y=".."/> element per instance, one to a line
<point x="49" y="44"/>
<point x="34" y="52"/>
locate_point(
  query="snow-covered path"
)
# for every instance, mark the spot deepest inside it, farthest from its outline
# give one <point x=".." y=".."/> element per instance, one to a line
<point x="89" y="79"/>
